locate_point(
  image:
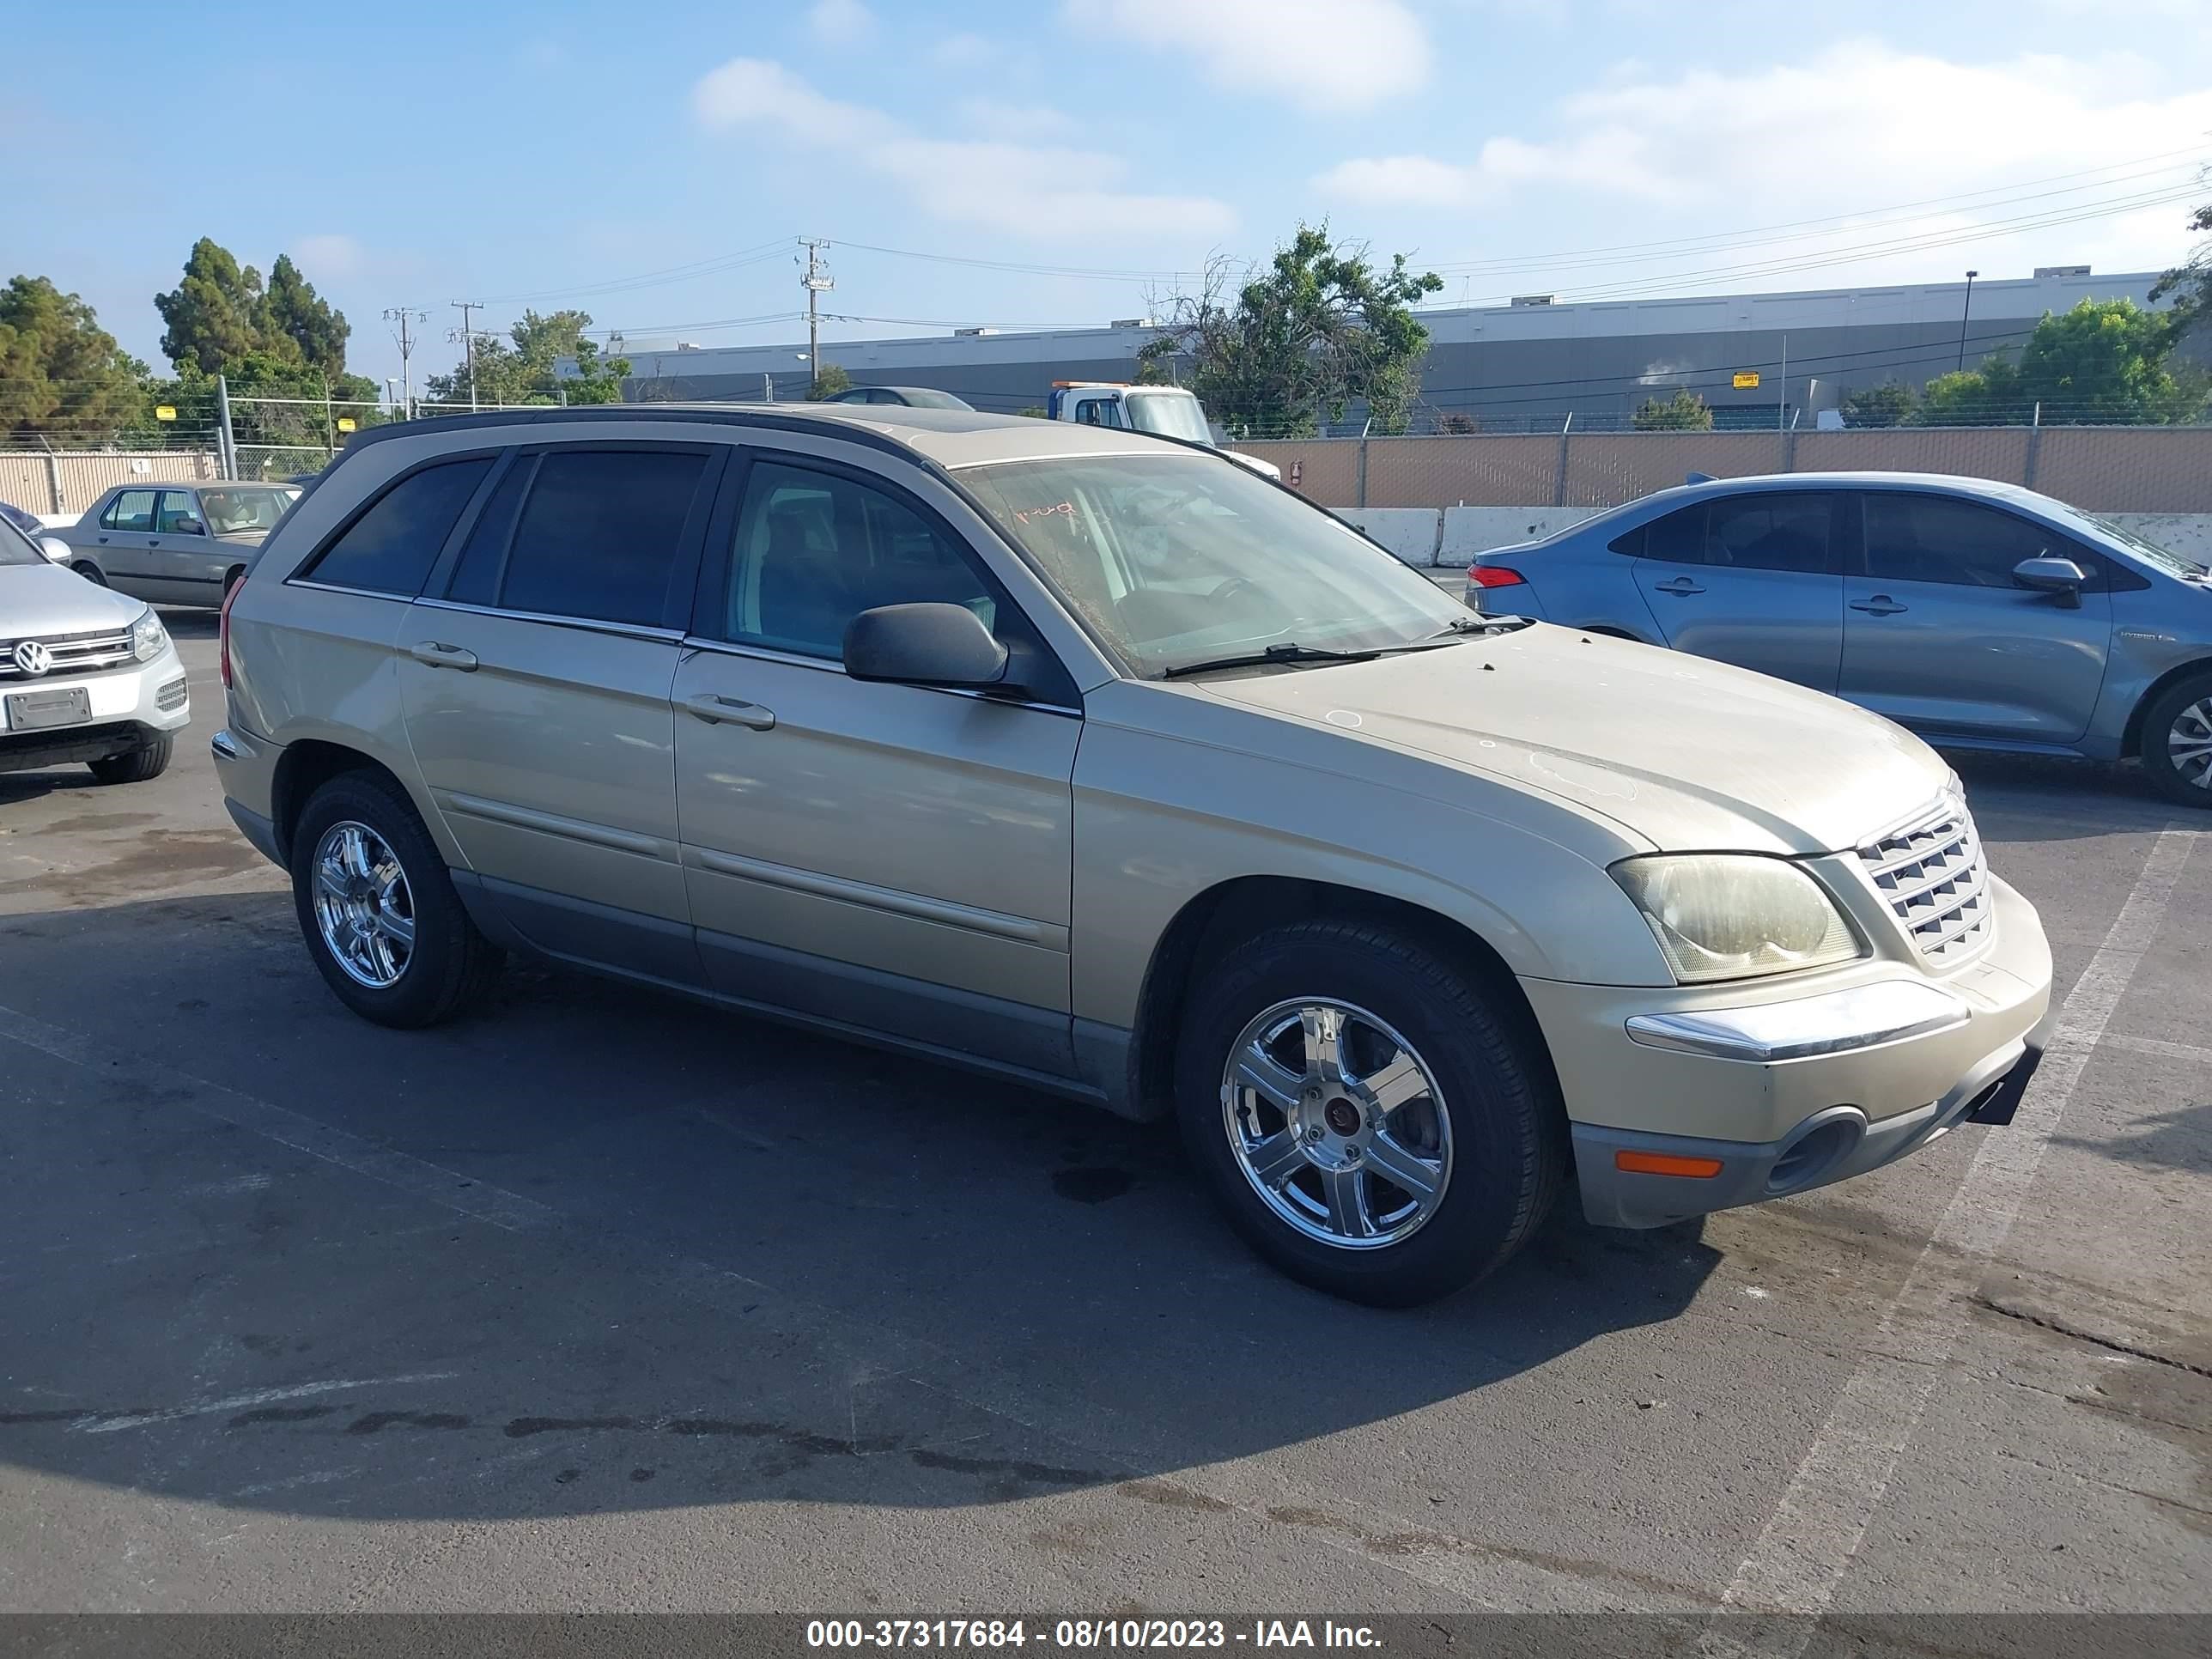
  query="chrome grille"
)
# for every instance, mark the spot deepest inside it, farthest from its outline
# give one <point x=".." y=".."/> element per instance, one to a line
<point x="1932" y="872"/>
<point x="74" y="653"/>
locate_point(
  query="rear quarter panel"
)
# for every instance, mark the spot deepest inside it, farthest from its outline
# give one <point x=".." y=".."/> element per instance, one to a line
<point x="1578" y="581"/>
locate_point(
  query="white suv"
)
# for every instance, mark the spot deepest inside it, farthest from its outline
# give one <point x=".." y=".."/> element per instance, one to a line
<point x="86" y="674"/>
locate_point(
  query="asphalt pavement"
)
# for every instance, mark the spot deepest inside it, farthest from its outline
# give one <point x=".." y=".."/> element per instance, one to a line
<point x="599" y="1300"/>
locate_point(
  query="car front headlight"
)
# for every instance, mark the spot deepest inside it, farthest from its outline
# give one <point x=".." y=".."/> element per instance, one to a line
<point x="149" y="639"/>
<point x="1734" y="916"/>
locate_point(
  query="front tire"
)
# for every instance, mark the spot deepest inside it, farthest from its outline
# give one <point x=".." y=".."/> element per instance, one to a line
<point x="378" y="909"/>
<point x="1376" y="1121"/>
<point x="140" y="765"/>
<point x="91" y="572"/>
<point x="2177" y="742"/>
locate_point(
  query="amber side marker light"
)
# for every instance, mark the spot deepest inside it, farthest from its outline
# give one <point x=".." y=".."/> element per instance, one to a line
<point x="1667" y="1164"/>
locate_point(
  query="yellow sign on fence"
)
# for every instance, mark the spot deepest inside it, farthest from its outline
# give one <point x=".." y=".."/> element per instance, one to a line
<point x="1747" y="379"/>
<point x="345" y="422"/>
<point x="164" y="412"/>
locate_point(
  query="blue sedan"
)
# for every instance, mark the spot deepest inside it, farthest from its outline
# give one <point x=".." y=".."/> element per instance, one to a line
<point x="1978" y="614"/>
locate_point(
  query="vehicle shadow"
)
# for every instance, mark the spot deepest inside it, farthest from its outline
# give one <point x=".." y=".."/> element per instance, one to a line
<point x="2047" y="797"/>
<point x="190" y="622"/>
<point x="2178" y="1139"/>
<point x="596" y="1247"/>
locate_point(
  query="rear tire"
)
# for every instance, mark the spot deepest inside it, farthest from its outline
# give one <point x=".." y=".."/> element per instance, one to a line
<point x="1485" y="1122"/>
<point x="2177" y="742"/>
<point x="396" y="884"/>
<point x="140" y="765"/>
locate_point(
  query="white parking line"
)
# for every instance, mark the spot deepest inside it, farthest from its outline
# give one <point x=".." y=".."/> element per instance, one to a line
<point x="301" y="1133"/>
<point x="1822" y="1519"/>
<point x="2153" y="1046"/>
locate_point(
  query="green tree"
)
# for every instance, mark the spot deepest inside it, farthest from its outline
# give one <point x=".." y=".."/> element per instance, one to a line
<point x="1317" y="329"/>
<point x="212" y="314"/>
<point x="829" y="381"/>
<point x="62" y="376"/>
<point x="1035" y="411"/>
<point x="2191" y="282"/>
<point x="525" y="367"/>
<point x="1685" y="411"/>
<point x="2106" y="361"/>
<point x="1890" y="404"/>
<point x="293" y="314"/>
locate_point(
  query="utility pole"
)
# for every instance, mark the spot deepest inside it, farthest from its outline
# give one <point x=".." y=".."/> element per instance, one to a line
<point x="1965" y="312"/>
<point x="406" y="317"/>
<point x="1781" y="401"/>
<point x="817" y="282"/>
<point x="468" y="341"/>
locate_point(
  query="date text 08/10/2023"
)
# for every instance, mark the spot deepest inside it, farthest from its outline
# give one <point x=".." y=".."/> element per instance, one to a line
<point x="1082" y="1635"/>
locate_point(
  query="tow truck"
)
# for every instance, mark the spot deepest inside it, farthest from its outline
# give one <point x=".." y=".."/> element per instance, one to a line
<point x="1165" y="411"/>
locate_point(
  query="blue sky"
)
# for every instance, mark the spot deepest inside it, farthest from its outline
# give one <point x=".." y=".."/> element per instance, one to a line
<point x="654" y="163"/>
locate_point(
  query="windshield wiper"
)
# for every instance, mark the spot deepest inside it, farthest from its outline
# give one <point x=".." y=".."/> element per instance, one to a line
<point x="1289" y="651"/>
<point x="1465" y="626"/>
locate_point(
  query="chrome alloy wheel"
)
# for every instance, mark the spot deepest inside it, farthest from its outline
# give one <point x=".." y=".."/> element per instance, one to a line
<point x="363" y="905"/>
<point x="1337" y="1122"/>
<point x="2189" y="744"/>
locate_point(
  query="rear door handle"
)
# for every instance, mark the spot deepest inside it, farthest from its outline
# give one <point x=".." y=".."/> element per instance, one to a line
<point x="1879" y="605"/>
<point x="435" y="653"/>
<point x="732" y="711"/>
<point x="1681" y="585"/>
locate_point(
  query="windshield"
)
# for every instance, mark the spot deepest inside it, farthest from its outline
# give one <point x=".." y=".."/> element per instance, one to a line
<point x="1169" y="414"/>
<point x="2149" y="552"/>
<point x="255" y="507"/>
<point x="1178" y="559"/>
<point x="17" y="548"/>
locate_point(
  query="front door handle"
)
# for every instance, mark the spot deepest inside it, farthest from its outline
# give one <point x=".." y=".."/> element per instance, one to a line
<point x="1879" y="605"/>
<point x="733" y="711"/>
<point x="1681" y="585"/>
<point x="435" y="653"/>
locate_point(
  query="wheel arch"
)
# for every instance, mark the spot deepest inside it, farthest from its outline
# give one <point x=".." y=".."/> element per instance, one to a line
<point x="2131" y="735"/>
<point x="305" y="766"/>
<point x="1225" y="915"/>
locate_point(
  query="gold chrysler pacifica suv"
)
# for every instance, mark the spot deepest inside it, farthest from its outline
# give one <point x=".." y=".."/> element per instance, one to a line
<point x="1097" y="761"/>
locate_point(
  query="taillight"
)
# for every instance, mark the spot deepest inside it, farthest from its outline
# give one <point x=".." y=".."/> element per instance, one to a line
<point x="222" y="629"/>
<point x="1493" y="575"/>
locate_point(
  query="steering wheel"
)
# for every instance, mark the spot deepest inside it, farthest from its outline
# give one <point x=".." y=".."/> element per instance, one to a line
<point x="1231" y="586"/>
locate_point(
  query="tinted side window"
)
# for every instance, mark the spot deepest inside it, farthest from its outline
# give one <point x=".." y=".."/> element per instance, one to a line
<point x="1679" y="538"/>
<point x="814" y="549"/>
<point x="600" y="534"/>
<point x="1769" y="531"/>
<point x="179" y="514"/>
<point x="1937" y="538"/>
<point x="132" y="510"/>
<point x="1629" y="543"/>
<point x="391" y="548"/>
<point x="476" y="578"/>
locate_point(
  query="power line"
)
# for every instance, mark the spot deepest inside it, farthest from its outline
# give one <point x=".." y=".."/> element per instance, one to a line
<point x="661" y="277"/>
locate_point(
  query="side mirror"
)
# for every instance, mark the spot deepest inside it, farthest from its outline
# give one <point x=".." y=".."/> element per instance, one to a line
<point x="2046" y="575"/>
<point x="55" y="549"/>
<point x="932" y="644"/>
<point x="186" y="524"/>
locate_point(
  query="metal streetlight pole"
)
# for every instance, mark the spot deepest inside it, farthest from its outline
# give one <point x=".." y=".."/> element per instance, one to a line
<point x="1965" y="312"/>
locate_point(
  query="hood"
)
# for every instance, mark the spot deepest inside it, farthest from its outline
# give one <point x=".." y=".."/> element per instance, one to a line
<point x="44" y="599"/>
<point x="1687" y="754"/>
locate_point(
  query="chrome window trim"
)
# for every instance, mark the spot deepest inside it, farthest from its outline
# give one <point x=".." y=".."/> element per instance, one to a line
<point x="588" y="624"/>
<point x="338" y="587"/>
<point x="828" y="665"/>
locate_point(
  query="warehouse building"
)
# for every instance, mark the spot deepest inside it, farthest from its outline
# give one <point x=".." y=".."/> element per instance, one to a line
<point x="1754" y="357"/>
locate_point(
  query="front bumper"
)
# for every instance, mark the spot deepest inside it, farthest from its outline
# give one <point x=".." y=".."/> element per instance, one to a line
<point x="128" y="705"/>
<point x="1695" y="1100"/>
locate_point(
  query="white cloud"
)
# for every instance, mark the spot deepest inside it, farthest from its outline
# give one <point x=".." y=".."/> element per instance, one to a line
<point x="330" y="257"/>
<point x="1333" y="55"/>
<point x="964" y="51"/>
<point x="1860" y="125"/>
<point x="1014" y="122"/>
<point x="1033" y="189"/>
<point x="840" y="22"/>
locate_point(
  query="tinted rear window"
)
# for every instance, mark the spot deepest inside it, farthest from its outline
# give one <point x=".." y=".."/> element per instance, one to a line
<point x="391" y="548"/>
<point x="599" y="534"/>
